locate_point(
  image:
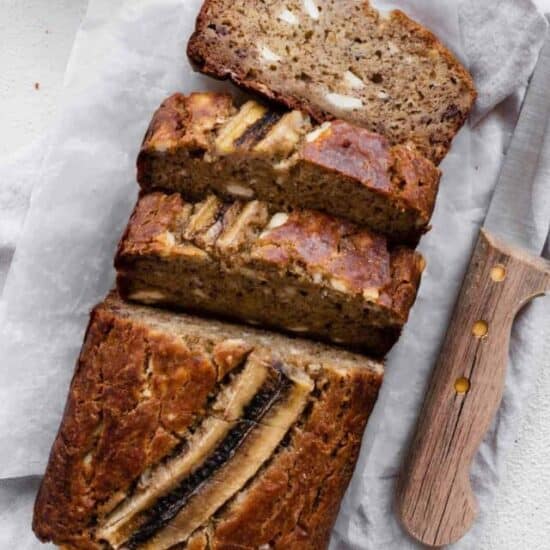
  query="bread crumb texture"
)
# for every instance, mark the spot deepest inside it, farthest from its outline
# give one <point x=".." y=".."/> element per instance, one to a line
<point x="340" y="59"/>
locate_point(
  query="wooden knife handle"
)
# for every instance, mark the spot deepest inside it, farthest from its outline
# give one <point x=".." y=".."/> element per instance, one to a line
<point x="435" y="501"/>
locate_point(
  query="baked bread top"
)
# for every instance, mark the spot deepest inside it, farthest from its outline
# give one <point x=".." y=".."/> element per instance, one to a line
<point x="339" y="59"/>
<point x="236" y="435"/>
<point x="202" y="143"/>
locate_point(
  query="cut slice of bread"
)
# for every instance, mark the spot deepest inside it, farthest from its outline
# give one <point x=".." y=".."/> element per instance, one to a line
<point x="185" y="432"/>
<point x="201" y="144"/>
<point x="303" y="272"/>
<point x="339" y="59"/>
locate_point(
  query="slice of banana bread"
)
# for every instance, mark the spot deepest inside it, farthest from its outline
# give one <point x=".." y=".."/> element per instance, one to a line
<point x="303" y="272"/>
<point x="201" y="144"/>
<point x="184" y="431"/>
<point x="339" y="59"/>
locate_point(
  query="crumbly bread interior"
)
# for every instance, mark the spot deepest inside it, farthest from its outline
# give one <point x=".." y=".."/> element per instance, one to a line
<point x="296" y="309"/>
<point x="303" y="272"/>
<point x="181" y="431"/>
<point x="339" y="58"/>
<point x="201" y="144"/>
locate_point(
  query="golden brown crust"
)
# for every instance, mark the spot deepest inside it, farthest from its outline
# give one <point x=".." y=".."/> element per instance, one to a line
<point x="183" y="121"/>
<point x="395" y="187"/>
<point x="153" y="214"/>
<point x="126" y="406"/>
<point x="145" y="376"/>
<point x="399" y="172"/>
<point x="406" y="271"/>
<point x="334" y="145"/>
<point x="323" y="244"/>
<point x="188" y="119"/>
<point x="209" y="61"/>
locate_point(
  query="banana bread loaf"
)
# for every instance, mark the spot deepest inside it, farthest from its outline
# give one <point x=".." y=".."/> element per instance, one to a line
<point x="339" y="59"/>
<point x="181" y="432"/>
<point x="303" y="272"/>
<point x="201" y="144"/>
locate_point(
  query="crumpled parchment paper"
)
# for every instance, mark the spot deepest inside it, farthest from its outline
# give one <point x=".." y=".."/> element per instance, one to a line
<point x="127" y="57"/>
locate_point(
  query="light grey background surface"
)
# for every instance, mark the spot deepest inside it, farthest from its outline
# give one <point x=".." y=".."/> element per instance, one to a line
<point x="29" y="54"/>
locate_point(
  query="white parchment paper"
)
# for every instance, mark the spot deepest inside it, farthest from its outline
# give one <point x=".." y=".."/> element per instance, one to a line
<point x="127" y="57"/>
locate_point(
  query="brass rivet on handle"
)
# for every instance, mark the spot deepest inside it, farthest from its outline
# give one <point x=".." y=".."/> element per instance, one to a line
<point x="498" y="273"/>
<point x="480" y="329"/>
<point x="462" y="385"/>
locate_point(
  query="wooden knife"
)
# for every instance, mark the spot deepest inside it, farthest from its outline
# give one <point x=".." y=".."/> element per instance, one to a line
<point x="435" y="501"/>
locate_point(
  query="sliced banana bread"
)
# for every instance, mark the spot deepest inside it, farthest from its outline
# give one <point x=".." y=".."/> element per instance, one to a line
<point x="201" y="144"/>
<point x="184" y="431"/>
<point x="303" y="272"/>
<point x="339" y="59"/>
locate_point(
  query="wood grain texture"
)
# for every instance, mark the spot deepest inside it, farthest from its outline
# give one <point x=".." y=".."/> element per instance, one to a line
<point x="435" y="501"/>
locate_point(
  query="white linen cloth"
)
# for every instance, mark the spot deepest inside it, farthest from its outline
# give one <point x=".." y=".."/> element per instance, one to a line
<point x="127" y="58"/>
